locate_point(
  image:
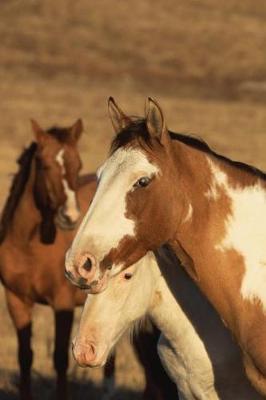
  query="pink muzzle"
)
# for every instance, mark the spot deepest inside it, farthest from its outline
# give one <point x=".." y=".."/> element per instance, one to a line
<point x="84" y="354"/>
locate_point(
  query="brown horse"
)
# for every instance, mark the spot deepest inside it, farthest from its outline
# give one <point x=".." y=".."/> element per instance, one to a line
<point x="46" y="198"/>
<point x="36" y="228"/>
<point x="170" y="188"/>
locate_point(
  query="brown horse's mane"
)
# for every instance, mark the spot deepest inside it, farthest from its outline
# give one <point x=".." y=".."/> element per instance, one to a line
<point x="17" y="187"/>
<point x="137" y="130"/>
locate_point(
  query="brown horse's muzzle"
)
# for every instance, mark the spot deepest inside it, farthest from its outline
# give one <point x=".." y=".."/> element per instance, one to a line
<point x="67" y="220"/>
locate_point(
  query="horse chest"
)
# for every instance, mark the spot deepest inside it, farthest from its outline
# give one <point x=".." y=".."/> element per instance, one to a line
<point x="28" y="274"/>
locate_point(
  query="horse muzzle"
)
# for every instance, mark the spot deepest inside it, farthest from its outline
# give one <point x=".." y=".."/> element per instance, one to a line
<point x="87" y="354"/>
<point x="83" y="271"/>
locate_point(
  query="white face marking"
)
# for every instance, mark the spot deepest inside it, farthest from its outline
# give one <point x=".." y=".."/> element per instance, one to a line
<point x="60" y="160"/>
<point x="100" y="170"/>
<point x="246" y="233"/>
<point x="105" y="223"/>
<point x="71" y="207"/>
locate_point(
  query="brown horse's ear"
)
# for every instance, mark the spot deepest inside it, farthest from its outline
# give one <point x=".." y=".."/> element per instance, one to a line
<point x="76" y="130"/>
<point x="155" y="120"/>
<point x="40" y="135"/>
<point x="118" y="118"/>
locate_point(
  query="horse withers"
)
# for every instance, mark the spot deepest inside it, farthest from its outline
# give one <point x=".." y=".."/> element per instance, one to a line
<point x="160" y="187"/>
<point x="197" y="350"/>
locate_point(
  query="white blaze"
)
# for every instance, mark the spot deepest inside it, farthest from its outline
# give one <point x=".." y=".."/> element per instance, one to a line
<point x="71" y="206"/>
<point x="106" y="223"/>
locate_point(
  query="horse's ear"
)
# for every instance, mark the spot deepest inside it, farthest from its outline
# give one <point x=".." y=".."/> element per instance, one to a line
<point x="155" y="120"/>
<point x="76" y="130"/>
<point x="118" y="118"/>
<point x="40" y="135"/>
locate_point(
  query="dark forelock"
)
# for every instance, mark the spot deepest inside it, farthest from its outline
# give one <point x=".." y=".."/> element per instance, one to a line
<point x="61" y="134"/>
<point x="136" y="131"/>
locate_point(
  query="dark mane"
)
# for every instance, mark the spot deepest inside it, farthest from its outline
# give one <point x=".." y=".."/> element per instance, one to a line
<point x="203" y="146"/>
<point x="137" y="130"/>
<point x="61" y="134"/>
<point x="17" y="188"/>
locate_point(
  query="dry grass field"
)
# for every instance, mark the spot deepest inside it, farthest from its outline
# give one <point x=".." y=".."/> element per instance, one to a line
<point x="204" y="60"/>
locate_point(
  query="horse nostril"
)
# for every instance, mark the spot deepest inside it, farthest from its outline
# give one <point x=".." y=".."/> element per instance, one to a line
<point x="87" y="264"/>
<point x="82" y="284"/>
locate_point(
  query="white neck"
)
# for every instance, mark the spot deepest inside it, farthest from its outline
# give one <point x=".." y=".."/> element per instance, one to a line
<point x="196" y="348"/>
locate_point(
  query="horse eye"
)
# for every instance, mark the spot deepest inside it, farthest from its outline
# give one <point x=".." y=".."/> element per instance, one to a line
<point x="142" y="182"/>
<point x="128" y="275"/>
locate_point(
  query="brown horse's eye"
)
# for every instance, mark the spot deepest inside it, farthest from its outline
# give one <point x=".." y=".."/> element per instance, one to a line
<point x="142" y="182"/>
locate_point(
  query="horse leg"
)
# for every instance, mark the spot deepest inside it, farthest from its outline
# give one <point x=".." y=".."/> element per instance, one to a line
<point x="20" y="313"/>
<point x="63" y="325"/>
<point x="109" y="378"/>
<point x="158" y="384"/>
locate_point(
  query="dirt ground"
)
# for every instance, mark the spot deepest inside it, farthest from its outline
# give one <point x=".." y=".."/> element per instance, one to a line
<point x="203" y="60"/>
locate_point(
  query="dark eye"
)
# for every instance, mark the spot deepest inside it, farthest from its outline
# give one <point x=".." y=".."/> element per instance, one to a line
<point x="128" y="275"/>
<point x="142" y="182"/>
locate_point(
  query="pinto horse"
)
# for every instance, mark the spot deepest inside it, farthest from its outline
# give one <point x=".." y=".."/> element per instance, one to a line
<point x="45" y="201"/>
<point x="161" y="187"/>
<point x="195" y="347"/>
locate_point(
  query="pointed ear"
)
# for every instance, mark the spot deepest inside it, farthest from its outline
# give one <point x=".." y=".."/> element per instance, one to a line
<point x="40" y="135"/>
<point x="118" y="118"/>
<point x="155" y="120"/>
<point x="76" y="130"/>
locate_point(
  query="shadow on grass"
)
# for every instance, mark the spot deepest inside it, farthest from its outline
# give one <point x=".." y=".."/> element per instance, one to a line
<point x="44" y="389"/>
